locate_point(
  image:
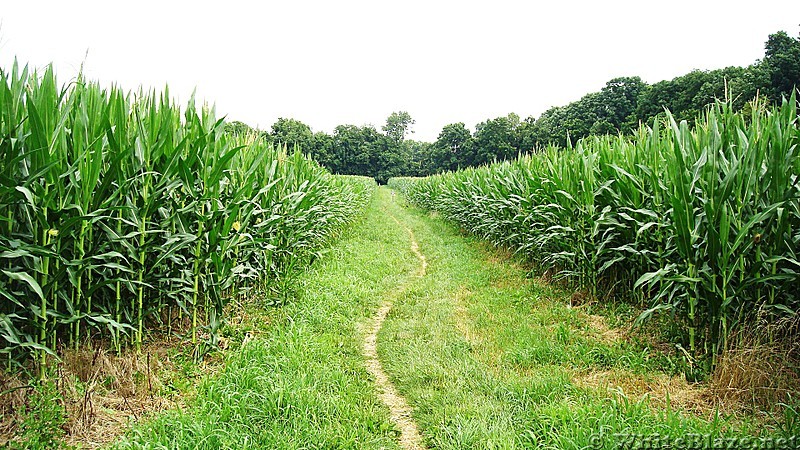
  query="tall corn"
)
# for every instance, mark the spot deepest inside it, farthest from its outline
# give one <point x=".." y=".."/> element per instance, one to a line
<point x="121" y="213"/>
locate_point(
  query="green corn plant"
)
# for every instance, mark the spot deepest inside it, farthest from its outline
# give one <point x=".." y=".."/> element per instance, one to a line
<point x="700" y="223"/>
<point x="117" y="207"/>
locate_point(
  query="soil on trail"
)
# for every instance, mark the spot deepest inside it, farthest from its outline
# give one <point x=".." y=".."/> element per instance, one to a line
<point x="399" y="411"/>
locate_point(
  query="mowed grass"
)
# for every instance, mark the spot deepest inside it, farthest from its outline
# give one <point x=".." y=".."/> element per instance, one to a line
<point x="490" y="359"/>
<point x="487" y="359"/>
<point x="301" y="382"/>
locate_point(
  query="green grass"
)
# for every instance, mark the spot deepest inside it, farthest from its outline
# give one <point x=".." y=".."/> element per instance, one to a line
<point x="301" y="381"/>
<point x="700" y="223"/>
<point x="488" y="358"/>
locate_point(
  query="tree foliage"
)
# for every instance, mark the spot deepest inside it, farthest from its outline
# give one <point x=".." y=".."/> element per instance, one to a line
<point x="291" y="132"/>
<point x="617" y="108"/>
<point x="454" y="148"/>
<point x="782" y="64"/>
<point x="398" y="125"/>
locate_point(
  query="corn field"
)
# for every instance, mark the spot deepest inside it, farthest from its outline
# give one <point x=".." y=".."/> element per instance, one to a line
<point x="121" y="212"/>
<point x="702" y="223"/>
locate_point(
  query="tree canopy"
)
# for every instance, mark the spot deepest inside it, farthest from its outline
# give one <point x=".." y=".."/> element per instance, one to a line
<point x="619" y="107"/>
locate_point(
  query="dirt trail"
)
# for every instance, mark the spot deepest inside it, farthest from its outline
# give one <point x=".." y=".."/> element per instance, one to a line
<point x="399" y="411"/>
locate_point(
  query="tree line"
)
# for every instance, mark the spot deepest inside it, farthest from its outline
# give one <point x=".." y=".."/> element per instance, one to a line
<point x="618" y="107"/>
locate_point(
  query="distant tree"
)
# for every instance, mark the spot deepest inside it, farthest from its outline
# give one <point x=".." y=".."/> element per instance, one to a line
<point x="654" y="99"/>
<point x="398" y="125"/>
<point x="581" y="115"/>
<point x="611" y="110"/>
<point x="617" y="105"/>
<point x="353" y="149"/>
<point x="601" y="127"/>
<point x="755" y="80"/>
<point x="322" y="151"/>
<point x="682" y="96"/>
<point x="389" y="159"/>
<point x="738" y="85"/>
<point x="421" y="159"/>
<point x="236" y="127"/>
<point x="454" y="148"/>
<point x="688" y="95"/>
<point x="550" y="128"/>
<point x="782" y="60"/>
<point x="527" y="135"/>
<point x="291" y="132"/>
<point x="496" y="139"/>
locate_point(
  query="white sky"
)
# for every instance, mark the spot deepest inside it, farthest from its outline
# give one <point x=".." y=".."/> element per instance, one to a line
<point x="328" y="63"/>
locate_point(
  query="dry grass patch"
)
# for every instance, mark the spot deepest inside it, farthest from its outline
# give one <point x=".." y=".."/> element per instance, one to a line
<point x="760" y="371"/>
<point x="598" y="328"/>
<point x="102" y="393"/>
<point x="13" y="394"/>
<point x="759" y="375"/>
<point x="660" y="389"/>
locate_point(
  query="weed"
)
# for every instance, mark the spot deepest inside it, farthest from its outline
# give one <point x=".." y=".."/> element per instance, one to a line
<point x="41" y="419"/>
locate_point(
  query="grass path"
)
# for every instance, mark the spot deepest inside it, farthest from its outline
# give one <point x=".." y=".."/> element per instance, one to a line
<point x="302" y="382"/>
<point x="491" y="359"/>
<point x="473" y="355"/>
<point x="400" y="412"/>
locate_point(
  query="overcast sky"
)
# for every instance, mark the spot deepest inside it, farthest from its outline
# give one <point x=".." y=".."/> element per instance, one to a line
<point x="328" y="63"/>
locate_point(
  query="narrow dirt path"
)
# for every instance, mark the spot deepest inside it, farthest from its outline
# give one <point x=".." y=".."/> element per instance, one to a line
<point x="399" y="411"/>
